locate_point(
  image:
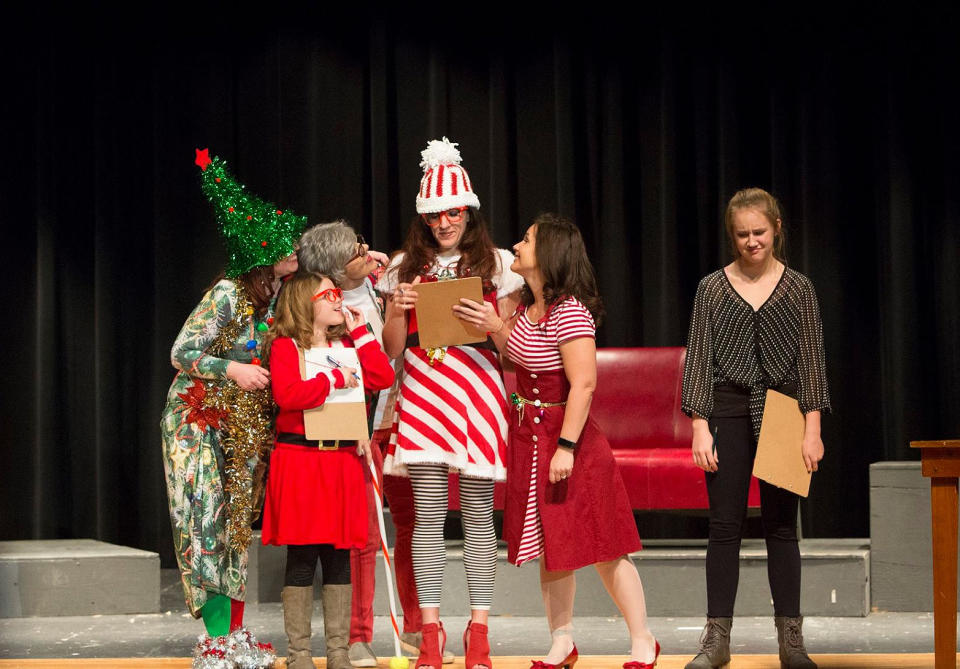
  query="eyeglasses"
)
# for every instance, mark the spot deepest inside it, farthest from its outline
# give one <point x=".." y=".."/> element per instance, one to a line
<point x="454" y="215"/>
<point x="361" y="251"/>
<point x="330" y="295"/>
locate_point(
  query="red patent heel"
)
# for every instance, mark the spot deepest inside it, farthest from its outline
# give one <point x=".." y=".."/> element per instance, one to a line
<point x="566" y="663"/>
<point x="476" y="646"/>
<point x="644" y="665"/>
<point x="433" y="640"/>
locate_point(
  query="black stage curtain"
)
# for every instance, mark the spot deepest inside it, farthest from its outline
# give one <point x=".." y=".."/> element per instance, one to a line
<point x="640" y="131"/>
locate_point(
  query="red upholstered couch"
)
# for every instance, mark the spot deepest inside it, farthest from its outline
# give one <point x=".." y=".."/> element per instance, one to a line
<point x="637" y="405"/>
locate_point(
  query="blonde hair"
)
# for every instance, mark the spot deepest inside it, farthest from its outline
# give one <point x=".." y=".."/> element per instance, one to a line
<point x="763" y="202"/>
<point x="294" y="313"/>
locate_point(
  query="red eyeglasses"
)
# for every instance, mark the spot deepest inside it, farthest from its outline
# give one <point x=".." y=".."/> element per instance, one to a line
<point x="453" y="215"/>
<point x="330" y="295"/>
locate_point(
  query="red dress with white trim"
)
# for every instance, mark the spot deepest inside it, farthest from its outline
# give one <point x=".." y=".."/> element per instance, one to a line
<point x="452" y="408"/>
<point x="586" y="518"/>
<point x="314" y="496"/>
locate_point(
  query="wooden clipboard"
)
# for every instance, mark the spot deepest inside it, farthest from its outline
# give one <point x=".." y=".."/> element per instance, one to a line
<point x="436" y="323"/>
<point x="346" y="420"/>
<point x="779" y="458"/>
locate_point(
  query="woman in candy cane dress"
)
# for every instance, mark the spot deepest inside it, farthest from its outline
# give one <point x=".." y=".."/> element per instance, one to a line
<point x="452" y="412"/>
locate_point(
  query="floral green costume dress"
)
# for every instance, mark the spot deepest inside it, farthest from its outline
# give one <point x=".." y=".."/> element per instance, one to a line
<point x="212" y="487"/>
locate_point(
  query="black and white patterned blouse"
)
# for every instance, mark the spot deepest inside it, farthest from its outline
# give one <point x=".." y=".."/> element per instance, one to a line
<point x="779" y="346"/>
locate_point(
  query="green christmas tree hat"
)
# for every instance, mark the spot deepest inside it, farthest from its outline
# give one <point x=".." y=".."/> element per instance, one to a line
<point x="255" y="231"/>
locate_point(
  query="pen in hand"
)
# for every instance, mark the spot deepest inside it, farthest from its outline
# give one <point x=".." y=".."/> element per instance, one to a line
<point x="336" y="363"/>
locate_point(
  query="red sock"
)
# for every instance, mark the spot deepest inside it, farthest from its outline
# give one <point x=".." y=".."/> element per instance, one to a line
<point x="236" y="614"/>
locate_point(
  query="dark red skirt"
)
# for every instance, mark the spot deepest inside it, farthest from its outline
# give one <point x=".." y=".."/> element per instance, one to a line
<point x="587" y="518"/>
<point x="315" y="497"/>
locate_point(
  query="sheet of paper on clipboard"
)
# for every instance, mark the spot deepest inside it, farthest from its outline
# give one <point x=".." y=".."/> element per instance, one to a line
<point x="344" y="413"/>
<point x="779" y="458"/>
<point x="436" y="323"/>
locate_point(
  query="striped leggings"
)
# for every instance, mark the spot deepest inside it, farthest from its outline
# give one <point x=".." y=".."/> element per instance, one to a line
<point x="430" y="487"/>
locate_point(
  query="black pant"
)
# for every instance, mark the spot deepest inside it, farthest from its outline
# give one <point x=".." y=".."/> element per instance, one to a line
<point x="302" y="563"/>
<point x="727" y="489"/>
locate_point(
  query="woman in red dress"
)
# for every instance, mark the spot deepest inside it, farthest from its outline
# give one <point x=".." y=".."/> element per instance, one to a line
<point x="566" y="502"/>
<point x="316" y="502"/>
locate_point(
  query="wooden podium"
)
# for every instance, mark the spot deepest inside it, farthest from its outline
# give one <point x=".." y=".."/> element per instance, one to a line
<point x="941" y="464"/>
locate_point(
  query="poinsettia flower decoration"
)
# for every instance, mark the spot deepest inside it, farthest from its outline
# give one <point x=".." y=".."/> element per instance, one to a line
<point x="200" y="413"/>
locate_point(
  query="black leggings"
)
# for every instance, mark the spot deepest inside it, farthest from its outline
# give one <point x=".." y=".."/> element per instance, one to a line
<point x="302" y="563"/>
<point x="727" y="489"/>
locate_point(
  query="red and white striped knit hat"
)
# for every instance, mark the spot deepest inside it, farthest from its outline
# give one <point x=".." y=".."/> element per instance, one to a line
<point x="445" y="184"/>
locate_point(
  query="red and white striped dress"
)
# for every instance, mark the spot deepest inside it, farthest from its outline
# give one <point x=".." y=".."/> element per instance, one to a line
<point x="454" y="411"/>
<point x="584" y="519"/>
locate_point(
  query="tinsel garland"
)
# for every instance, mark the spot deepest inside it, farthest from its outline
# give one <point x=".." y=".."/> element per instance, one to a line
<point x="247" y="432"/>
<point x="239" y="650"/>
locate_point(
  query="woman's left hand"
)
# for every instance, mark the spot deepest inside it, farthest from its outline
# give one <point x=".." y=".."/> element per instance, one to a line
<point x="482" y="315"/>
<point x="812" y="450"/>
<point x="354" y="318"/>
<point x="561" y="465"/>
<point x="363" y="448"/>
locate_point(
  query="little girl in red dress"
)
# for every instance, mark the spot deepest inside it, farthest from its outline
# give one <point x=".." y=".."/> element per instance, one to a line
<point x="316" y="502"/>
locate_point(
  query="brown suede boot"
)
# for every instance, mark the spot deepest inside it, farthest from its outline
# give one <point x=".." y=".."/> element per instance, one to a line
<point x="790" y="636"/>
<point x="337" y="600"/>
<point x="714" y="645"/>
<point x="297" y="614"/>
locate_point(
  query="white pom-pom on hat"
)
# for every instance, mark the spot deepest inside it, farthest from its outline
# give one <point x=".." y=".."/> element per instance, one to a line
<point x="439" y="152"/>
<point x="445" y="184"/>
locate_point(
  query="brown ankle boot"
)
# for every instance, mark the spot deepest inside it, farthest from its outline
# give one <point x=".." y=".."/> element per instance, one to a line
<point x="790" y="636"/>
<point x="297" y="615"/>
<point x="337" y="600"/>
<point x="714" y="645"/>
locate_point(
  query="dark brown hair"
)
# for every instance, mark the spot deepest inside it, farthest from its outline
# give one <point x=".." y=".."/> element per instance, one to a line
<point x="478" y="255"/>
<point x="294" y="313"/>
<point x="763" y="202"/>
<point x="258" y="284"/>
<point x="563" y="263"/>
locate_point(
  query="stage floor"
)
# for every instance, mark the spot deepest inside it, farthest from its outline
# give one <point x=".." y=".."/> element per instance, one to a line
<point x="890" y="639"/>
<point x="166" y="639"/>
<point x="833" y="661"/>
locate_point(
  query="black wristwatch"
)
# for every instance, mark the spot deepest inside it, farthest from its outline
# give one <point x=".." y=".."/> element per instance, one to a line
<point x="566" y="443"/>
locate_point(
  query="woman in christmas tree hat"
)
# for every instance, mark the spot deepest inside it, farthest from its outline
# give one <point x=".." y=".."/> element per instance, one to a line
<point x="218" y="421"/>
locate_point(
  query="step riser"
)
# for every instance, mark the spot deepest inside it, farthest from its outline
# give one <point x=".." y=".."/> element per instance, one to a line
<point x="674" y="586"/>
<point x="76" y="578"/>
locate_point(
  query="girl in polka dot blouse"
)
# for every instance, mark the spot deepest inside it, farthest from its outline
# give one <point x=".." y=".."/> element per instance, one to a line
<point x="755" y="325"/>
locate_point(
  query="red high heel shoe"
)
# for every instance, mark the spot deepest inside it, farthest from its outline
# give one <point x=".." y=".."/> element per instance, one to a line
<point x="476" y="646"/>
<point x="633" y="664"/>
<point x="433" y="640"/>
<point x="565" y="663"/>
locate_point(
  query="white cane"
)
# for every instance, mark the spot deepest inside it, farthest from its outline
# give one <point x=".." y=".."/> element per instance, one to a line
<point x="398" y="661"/>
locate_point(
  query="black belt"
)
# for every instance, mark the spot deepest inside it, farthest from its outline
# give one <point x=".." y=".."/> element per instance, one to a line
<point x="320" y="444"/>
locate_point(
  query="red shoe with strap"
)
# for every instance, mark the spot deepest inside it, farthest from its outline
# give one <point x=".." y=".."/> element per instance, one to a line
<point x="633" y="664"/>
<point x="432" y="642"/>
<point x="566" y="663"/>
<point x="476" y="646"/>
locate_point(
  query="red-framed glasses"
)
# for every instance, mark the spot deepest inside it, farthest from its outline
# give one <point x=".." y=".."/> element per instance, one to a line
<point x="330" y="295"/>
<point x="454" y="215"/>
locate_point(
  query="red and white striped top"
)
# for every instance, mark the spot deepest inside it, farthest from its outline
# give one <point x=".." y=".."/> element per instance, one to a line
<point x="536" y="346"/>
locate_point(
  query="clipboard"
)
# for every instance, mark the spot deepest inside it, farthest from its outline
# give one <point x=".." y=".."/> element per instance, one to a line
<point x="436" y="323"/>
<point x="335" y="419"/>
<point x="779" y="458"/>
